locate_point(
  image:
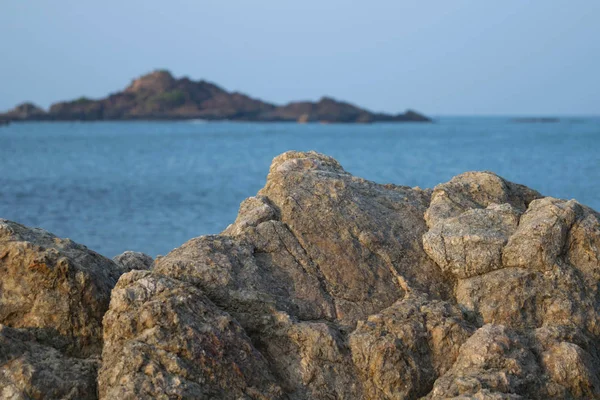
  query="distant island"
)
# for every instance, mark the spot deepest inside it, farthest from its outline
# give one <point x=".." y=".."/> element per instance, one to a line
<point x="160" y="96"/>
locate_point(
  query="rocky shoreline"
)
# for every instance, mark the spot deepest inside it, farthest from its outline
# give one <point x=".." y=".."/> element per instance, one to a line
<point x="325" y="286"/>
<point x="160" y="96"/>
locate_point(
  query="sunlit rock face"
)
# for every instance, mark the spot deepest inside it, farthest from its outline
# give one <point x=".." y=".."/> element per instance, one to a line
<point x="53" y="296"/>
<point x="325" y="286"/>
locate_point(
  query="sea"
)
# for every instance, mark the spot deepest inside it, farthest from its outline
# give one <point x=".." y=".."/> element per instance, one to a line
<point x="151" y="186"/>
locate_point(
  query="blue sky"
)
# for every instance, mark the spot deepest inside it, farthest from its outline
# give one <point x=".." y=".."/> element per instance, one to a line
<point x="439" y="57"/>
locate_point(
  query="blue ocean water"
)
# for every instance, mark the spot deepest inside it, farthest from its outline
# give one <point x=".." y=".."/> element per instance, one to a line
<point x="150" y="186"/>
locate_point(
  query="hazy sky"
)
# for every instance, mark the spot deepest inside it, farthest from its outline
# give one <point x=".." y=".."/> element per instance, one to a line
<point x="438" y="57"/>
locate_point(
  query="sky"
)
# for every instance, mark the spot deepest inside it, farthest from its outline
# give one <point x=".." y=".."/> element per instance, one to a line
<point x="510" y="57"/>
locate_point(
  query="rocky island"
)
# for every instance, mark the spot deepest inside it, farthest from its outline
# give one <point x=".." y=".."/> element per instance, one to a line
<point x="160" y="96"/>
<point x="326" y="286"/>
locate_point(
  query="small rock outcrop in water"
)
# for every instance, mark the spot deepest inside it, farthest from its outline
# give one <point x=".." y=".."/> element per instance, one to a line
<point x="160" y="96"/>
<point x="24" y="112"/>
<point x="325" y="286"/>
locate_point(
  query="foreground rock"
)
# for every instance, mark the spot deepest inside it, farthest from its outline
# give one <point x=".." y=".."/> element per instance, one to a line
<point x="31" y="370"/>
<point x="160" y="96"/>
<point x="53" y="296"/>
<point x="55" y="288"/>
<point x="331" y="286"/>
<point x="165" y="338"/>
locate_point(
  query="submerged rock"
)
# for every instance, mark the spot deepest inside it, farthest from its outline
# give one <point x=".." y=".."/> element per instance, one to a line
<point x="328" y="286"/>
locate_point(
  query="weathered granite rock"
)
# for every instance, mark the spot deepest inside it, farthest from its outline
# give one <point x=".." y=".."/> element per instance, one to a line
<point x="130" y="260"/>
<point x="165" y="339"/>
<point x="540" y="283"/>
<point x="54" y="287"/>
<point x="582" y="247"/>
<point x="570" y="360"/>
<point x="497" y="362"/>
<point x="364" y="238"/>
<point x="334" y="246"/>
<point x="316" y="244"/>
<point x="318" y="247"/>
<point x="29" y="370"/>
<point x="542" y="234"/>
<point x="401" y="351"/>
<point x="475" y="190"/>
<point x="533" y="267"/>
<point x="330" y="286"/>
<point x="471" y="243"/>
<point x="493" y="363"/>
<point x="280" y="268"/>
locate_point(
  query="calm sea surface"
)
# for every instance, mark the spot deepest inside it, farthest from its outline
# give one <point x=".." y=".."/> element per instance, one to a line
<point x="151" y="186"/>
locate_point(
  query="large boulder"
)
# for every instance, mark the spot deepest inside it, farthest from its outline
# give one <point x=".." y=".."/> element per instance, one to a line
<point x="30" y="370"/>
<point x="401" y="351"/>
<point x="53" y="296"/>
<point x="314" y="253"/>
<point x="475" y="190"/>
<point x="54" y="287"/>
<point x="357" y="290"/>
<point x="471" y="243"/>
<point x="493" y="363"/>
<point x="499" y="363"/>
<point x="529" y="267"/>
<point x="165" y="339"/>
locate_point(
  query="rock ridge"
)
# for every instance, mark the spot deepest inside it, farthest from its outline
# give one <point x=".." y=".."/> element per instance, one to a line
<point x="325" y="286"/>
<point x="160" y="96"/>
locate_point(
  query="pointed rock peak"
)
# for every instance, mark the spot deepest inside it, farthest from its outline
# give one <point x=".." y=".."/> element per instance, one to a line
<point x="415" y="116"/>
<point x="29" y="108"/>
<point x="25" y="110"/>
<point x="156" y="81"/>
<point x="327" y="99"/>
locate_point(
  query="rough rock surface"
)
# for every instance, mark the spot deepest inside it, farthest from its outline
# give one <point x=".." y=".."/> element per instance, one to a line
<point x="130" y="260"/>
<point x="401" y="351"/>
<point x="163" y="337"/>
<point x="330" y="286"/>
<point x="54" y="287"/>
<point x="53" y="296"/>
<point x="30" y="370"/>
